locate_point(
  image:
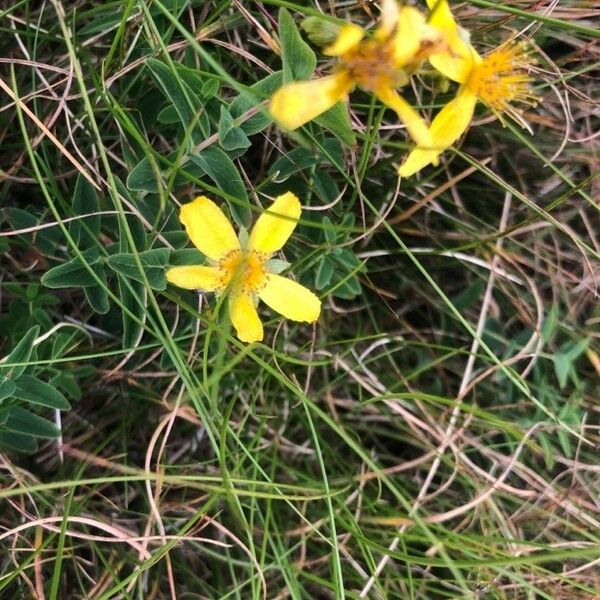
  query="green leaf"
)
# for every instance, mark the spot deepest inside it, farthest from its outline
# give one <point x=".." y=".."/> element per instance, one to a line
<point x="104" y="20"/>
<point x="220" y="168"/>
<point x="562" y="366"/>
<point x="31" y="389"/>
<point x="85" y="201"/>
<point x="18" y="442"/>
<point x="20" y="420"/>
<point x="178" y="93"/>
<point x="22" y="352"/>
<point x="347" y="258"/>
<point x="565" y="357"/>
<point x="210" y="88"/>
<point x="261" y="90"/>
<point x="167" y="116"/>
<point x="97" y="297"/>
<point x="173" y="89"/>
<point x="577" y="349"/>
<point x="142" y="178"/>
<point x="136" y="227"/>
<point x="325" y="186"/>
<point x="7" y="389"/>
<point x="331" y="152"/>
<point x="471" y="294"/>
<point x="68" y="383"/>
<point x="337" y="120"/>
<point x="130" y="291"/>
<point x="294" y="161"/>
<point x="324" y="273"/>
<point x="177" y="239"/>
<point x="299" y="159"/>
<point x="18" y="218"/>
<point x="153" y="262"/>
<point x="63" y="342"/>
<point x="348" y="290"/>
<point x="46" y="240"/>
<point x="345" y="263"/>
<point x="231" y="137"/>
<point x="550" y="323"/>
<point x="547" y="450"/>
<point x="31" y="292"/>
<point x="299" y="61"/>
<point x="329" y="230"/>
<point x="186" y="256"/>
<point x="73" y="273"/>
<point x="564" y="440"/>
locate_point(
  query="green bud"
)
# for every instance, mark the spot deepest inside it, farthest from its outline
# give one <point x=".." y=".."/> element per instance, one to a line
<point x="276" y="265"/>
<point x="319" y="31"/>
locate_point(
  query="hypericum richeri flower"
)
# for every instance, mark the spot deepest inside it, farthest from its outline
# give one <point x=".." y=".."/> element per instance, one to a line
<point x="379" y="64"/>
<point x="241" y="266"/>
<point x="500" y="79"/>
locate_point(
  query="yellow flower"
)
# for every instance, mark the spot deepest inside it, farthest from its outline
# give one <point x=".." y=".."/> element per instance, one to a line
<point x="378" y="64"/>
<point x="498" y="79"/>
<point x="242" y="267"/>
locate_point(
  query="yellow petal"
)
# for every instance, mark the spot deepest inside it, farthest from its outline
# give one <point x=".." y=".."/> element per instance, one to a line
<point x="390" y="13"/>
<point x="348" y="38"/>
<point x="449" y="124"/>
<point x="290" y="299"/>
<point x="417" y="160"/>
<point x="409" y="35"/>
<point x="415" y="125"/>
<point x="207" y="279"/>
<point x="295" y="104"/>
<point x="452" y="121"/>
<point x="208" y="228"/>
<point x="244" y="318"/>
<point x="458" y="56"/>
<point x="454" y="66"/>
<point x="273" y="228"/>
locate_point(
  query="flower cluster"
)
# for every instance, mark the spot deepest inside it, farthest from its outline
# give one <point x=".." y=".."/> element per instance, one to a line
<point x="380" y="63"/>
<point x="385" y="61"/>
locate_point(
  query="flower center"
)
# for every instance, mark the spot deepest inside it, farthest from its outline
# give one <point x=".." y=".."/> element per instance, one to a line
<point x="371" y="65"/>
<point x="243" y="270"/>
<point x="502" y="77"/>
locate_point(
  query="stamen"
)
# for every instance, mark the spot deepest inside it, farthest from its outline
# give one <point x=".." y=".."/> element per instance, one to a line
<point x="243" y="271"/>
<point x="502" y="79"/>
<point x="370" y="64"/>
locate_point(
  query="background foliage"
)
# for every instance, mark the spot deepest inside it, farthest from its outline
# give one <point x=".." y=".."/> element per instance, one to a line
<point x="434" y="436"/>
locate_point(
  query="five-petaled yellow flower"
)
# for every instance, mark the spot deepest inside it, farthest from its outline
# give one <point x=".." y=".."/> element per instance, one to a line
<point x="379" y="64"/>
<point x="241" y="266"/>
<point x="497" y="79"/>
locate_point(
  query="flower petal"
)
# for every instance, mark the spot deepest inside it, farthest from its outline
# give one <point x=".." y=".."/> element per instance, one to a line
<point x="295" y="104"/>
<point x="417" y="160"/>
<point x="449" y="124"/>
<point x="415" y="125"/>
<point x="208" y="228"/>
<point x="244" y="318"/>
<point x="409" y="34"/>
<point x="207" y="279"/>
<point x="348" y="38"/>
<point x="273" y="228"/>
<point x="457" y="59"/>
<point x="452" y="121"/>
<point x="390" y="13"/>
<point x="453" y="66"/>
<point x="290" y="299"/>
